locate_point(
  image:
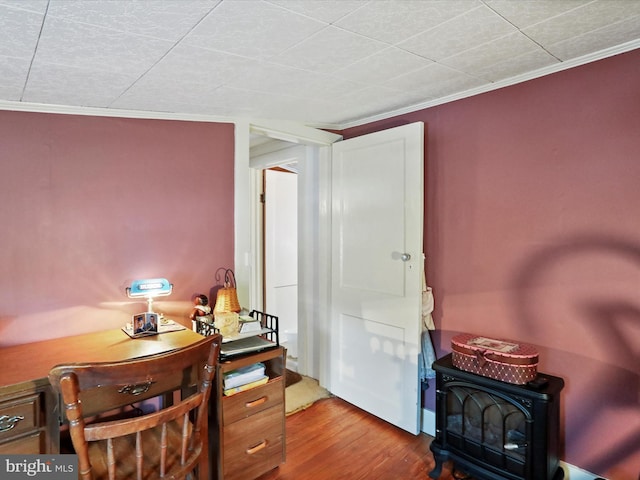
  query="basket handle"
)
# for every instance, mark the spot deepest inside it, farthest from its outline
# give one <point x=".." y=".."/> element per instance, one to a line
<point x="229" y="278"/>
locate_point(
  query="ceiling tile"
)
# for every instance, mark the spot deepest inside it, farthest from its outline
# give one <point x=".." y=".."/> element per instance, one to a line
<point x="372" y="99"/>
<point x="376" y="100"/>
<point x="434" y="81"/>
<point x="313" y="110"/>
<point x="13" y="75"/>
<point x="276" y="79"/>
<point x="156" y="97"/>
<point x="185" y="76"/>
<point x="85" y="46"/>
<point x="392" y="21"/>
<point x="169" y="20"/>
<point x="329" y="50"/>
<point x="36" y="6"/>
<point x="327" y="11"/>
<point x="206" y="101"/>
<point x="252" y="28"/>
<point x="382" y="66"/>
<point x="587" y="18"/>
<point x="326" y="88"/>
<point x="521" y="64"/>
<point x="597" y="40"/>
<point x="224" y="100"/>
<point x="19" y="30"/>
<point x="487" y="54"/>
<point x="67" y="85"/>
<point x="191" y="65"/>
<point x="524" y="13"/>
<point x="461" y="33"/>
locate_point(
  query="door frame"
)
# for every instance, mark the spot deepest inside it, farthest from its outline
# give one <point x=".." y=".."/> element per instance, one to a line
<point x="314" y="239"/>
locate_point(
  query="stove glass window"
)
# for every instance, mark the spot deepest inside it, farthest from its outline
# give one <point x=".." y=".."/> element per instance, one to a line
<point x="487" y="426"/>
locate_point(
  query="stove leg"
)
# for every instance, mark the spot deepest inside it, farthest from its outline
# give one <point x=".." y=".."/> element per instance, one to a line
<point x="459" y="475"/>
<point x="560" y="474"/>
<point x="440" y="459"/>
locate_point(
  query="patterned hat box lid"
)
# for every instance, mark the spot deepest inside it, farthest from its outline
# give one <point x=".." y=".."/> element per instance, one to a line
<point x="503" y="360"/>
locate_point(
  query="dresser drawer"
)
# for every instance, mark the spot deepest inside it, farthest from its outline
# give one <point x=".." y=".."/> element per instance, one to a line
<point x="245" y="404"/>
<point x="31" y="444"/>
<point x="254" y="445"/>
<point x="19" y="415"/>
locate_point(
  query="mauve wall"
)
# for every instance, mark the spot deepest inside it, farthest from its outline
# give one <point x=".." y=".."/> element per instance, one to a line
<point x="532" y="232"/>
<point x="88" y="204"/>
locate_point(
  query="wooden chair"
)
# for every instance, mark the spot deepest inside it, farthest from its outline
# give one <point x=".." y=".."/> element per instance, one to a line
<point x="170" y="443"/>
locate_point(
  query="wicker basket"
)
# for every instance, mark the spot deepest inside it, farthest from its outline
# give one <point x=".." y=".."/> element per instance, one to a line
<point x="227" y="299"/>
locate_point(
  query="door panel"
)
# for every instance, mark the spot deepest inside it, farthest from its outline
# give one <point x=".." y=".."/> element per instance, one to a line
<point x="366" y="210"/>
<point x="379" y="341"/>
<point x="281" y="250"/>
<point x="377" y="217"/>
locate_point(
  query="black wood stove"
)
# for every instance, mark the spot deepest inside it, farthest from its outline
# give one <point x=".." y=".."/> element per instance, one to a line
<point x="494" y="430"/>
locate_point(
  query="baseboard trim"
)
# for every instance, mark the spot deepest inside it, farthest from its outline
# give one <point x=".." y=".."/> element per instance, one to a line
<point x="571" y="472"/>
<point x="429" y="422"/>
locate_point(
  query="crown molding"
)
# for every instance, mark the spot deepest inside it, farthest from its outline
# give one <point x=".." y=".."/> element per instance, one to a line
<point x="110" y="112"/>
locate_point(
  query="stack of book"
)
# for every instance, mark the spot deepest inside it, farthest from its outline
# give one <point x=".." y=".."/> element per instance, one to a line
<point x="244" y="378"/>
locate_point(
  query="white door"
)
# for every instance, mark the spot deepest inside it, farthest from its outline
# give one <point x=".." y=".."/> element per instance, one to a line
<point x="281" y="254"/>
<point x="377" y="230"/>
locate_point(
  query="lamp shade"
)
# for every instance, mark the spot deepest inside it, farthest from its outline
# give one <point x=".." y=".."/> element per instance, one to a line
<point x="150" y="287"/>
<point x="227" y="299"/>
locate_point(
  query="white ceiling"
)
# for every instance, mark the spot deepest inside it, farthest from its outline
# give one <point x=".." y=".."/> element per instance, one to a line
<point x="325" y="63"/>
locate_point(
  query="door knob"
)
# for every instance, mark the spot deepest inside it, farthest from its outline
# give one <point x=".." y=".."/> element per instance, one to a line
<point x="405" y="257"/>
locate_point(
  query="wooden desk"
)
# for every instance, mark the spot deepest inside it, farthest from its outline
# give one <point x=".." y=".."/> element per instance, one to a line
<point x="28" y="419"/>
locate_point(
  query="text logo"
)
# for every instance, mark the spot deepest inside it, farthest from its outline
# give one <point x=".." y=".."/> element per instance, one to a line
<point x="41" y="467"/>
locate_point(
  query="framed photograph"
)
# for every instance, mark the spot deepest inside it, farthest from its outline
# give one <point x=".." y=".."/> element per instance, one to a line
<point x="144" y="324"/>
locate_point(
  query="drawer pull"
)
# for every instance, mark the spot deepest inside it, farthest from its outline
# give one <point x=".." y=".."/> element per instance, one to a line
<point x="136" y="389"/>
<point x="7" y="422"/>
<point x="255" y="403"/>
<point x="262" y="445"/>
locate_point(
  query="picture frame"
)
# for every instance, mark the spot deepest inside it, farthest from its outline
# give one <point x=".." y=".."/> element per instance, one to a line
<point x="144" y="324"/>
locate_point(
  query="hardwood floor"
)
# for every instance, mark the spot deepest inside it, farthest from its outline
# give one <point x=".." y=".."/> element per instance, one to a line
<point x="333" y="440"/>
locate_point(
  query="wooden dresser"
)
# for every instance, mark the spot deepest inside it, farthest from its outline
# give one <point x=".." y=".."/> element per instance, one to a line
<point x="249" y="427"/>
<point x="23" y="422"/>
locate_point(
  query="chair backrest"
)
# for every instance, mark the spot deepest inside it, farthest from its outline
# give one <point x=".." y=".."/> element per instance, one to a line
<point x="169" y="443"/>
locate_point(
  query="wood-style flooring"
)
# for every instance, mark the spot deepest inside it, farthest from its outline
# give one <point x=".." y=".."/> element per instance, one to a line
<point x="333" y="440"/>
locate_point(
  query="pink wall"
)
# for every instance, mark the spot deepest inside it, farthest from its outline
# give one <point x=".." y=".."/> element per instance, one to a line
<point x="89" y="204"/>
<point x="533" y="233"/>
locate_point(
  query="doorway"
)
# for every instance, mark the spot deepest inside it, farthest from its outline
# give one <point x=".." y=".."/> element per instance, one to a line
<point x="277" y="163"/>
<point x="281" y="255"/>
<point x="254" y="140"/>
<point x="322" y="341"/>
